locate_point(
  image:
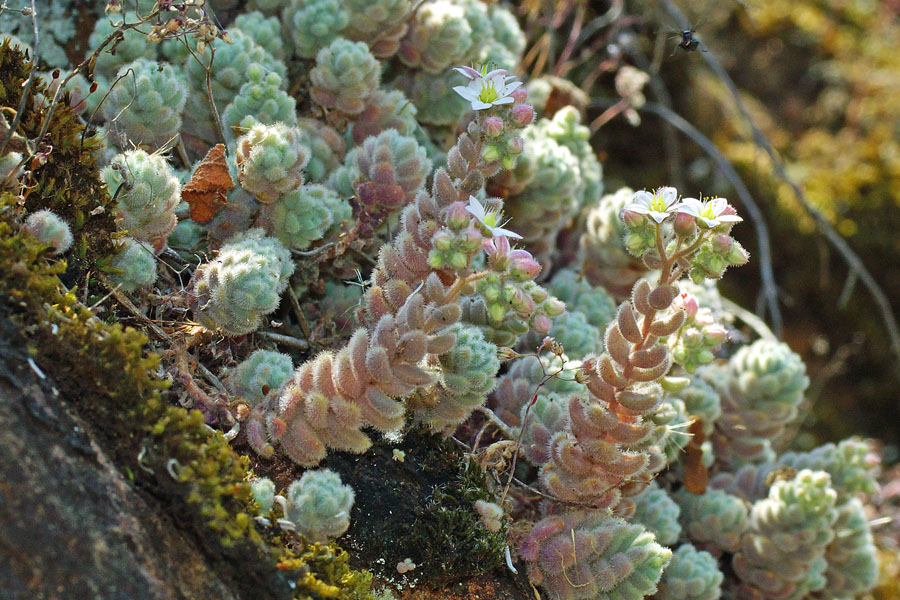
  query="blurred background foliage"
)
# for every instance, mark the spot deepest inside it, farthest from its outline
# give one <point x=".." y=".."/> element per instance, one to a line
<point x="821" y="80"/>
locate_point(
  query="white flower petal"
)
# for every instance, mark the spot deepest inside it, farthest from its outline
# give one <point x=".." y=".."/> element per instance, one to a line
<point x="657" y="216"/>
<point x="498" y="231"/>
<point x="638" y="208"/>
<point x="729" y="219"/>
<point x="642" y="197"/>
<point x="504" y="100"/>
<point x="475" y="208"/>
<point x="512" y="85"/>
<point x="468" y="72"/>
<point x="718" y="205"/>
<point x="479" y="105"/>
<point x="466" y="93"/>
<point x="495" y="73"/>
<point x="691" y="206"/>
<point x="668" y="194"/>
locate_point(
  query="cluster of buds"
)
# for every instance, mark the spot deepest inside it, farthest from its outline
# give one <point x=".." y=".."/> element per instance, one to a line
<point x="486" y="89"/>
<point x="456" y="245"/>
<point x="658" y="223"/>
<point x="692" y="345"/>
<point x="508" y="286"/>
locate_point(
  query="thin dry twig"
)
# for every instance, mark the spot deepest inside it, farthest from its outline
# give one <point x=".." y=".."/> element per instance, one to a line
<point x="853" y="261"/>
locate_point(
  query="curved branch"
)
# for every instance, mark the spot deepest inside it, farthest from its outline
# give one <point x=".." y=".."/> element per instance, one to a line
<point x="853" y="261"/>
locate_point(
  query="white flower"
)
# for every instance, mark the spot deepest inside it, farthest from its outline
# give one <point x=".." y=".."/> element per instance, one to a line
<point x="712" y="212"/>
<point x="658" y="205"/>
<point x="490" y="219"/>
<point x="486" y="88"/>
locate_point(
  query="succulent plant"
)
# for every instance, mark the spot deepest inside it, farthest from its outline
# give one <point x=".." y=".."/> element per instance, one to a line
<point x="50" y="229"/>
<point x="261" y="100"/>
<point x="134" y="266"/>
<point x="546" y="417"/>
<point x="433" y="96"/>
<point x="579" y="295"/>
<point x="326" y="149"/>
<point x="691" y="575"/>
<point x="265" y="31"/>
<point x="270" y="161"/>
<point x="319" y="505"/>
<point x="701" y="400"/>
<point x="314" y="24"/>
<point x="468" y="374"/>
<point x="187" y="235"/>
<point x="852" y="557"/>
<point x="851" y="464"/>
<point x="262" y="372"/>
<point x="714" y="520"/>
<point x="658" y="513"/>
<point x="263" y="493"/>
<point x="578" y="337"/>
<point x="226" y="77"/>
<point x="782" y="553"/>
<point x="585" y="555"/>
<point x="339" y="304"/>
<point x="378" y="23"/>
<point x="385" y="109"/>
<point x="145" y="107"/>
<point x="344" y="77"/>
<point x="304" y="215"/>
<point x="439" y="37"/>
<point x="567" y="130"/>
<point x="765" y="386"/>
<point x="385" y="173"/>
<point x="243" y="284"/>
<point x="148" y="192"/>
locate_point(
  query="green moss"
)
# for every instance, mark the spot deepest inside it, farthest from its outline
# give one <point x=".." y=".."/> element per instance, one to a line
<point x="422" y="508"/>
<point x="67" y="184"/>
<point x="106" y="372"/>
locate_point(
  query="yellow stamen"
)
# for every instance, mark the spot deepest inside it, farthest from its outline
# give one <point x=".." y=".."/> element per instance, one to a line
<point x="488" y="92"/>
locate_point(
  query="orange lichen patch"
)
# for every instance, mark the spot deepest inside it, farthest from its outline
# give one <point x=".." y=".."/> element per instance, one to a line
<point x="207" y="190"/>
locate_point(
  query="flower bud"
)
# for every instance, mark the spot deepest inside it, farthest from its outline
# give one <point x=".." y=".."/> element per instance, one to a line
<point x="524" y="269"/>
<point x="508" y="162"/>
<point x="493" y="126"/>
<point x="519" y="95"/>
<point x="506" y="353"/>
<point x="634" y="242"/>
<point x="737" y="256"/>
<point x="522" y="114"/>
<point x="436" y="260"/>
<point x="542" y="324"/>
<point x="685" y="225"/>
<point x="714" y="334"/>
<point x="722" y="244"/>
<point x="490" y="153"/>
<point x="457" y="216"/>
<point x="553" y="307"/>
<point x="538" y="294"/>
<point x="633" y="219"/>
<point x="496" y="311"/>
<point x="689" y="303"/>
<point x="515" y="145"/>
<point x="471" y="240"/>
<point x="692" y="338"/>
<point x="442" y="240"/>
<point x="459" y="260"/>
<point x="704" y="357"/>
<point x="522" y="303"/>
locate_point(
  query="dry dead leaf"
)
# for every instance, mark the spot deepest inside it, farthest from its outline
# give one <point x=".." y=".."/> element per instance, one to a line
<point x="207" y="191"/>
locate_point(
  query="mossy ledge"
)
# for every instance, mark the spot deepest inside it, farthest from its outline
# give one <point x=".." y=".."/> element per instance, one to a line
<point x="104" y="370"/>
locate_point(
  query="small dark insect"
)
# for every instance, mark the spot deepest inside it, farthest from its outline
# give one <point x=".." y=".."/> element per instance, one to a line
<point x="687" y="40"/>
